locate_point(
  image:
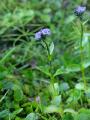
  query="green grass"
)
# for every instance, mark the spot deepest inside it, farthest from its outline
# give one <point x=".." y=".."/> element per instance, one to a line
<point x="35" y="85"/>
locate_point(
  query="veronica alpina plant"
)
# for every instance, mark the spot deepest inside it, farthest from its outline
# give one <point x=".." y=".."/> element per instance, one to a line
<point x="79" y="12"/>
<point x="40" y="36"/>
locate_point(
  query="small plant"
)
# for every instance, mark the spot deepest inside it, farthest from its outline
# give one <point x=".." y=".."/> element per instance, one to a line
<point x="41" y="36"/>
<point x="57" y="97"/>
<point x="44" y="71"/>
<point x="79" y="11"/>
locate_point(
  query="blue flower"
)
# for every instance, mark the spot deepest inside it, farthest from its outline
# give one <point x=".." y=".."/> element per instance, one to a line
<point x="42" y="33"/>
<point x="45" y="31"/>
<point x="38" y="35"/>
<point x="80" y="10"/>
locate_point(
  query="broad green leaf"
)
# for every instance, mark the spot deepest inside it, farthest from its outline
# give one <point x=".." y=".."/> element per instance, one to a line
<point x="63" y="86"/>
<point x="83" y="114"/>
<point x="75" y="95"/>
<point x="46" y="18"/>
<point x="51" y="109"/>
<point x="18" y="93"/>
<point x="58" y="72"/>
<point x="44" y="69"/>
<point x="8" y="85"/>
<point x="84" y="110"/>
<point x="32" y="116"/>
<point x="51" y="48"/>
<point x="69" y="110"/>
<point x="70" y="19"/>
<point x="67" y="117"/>
<point x="4" y="113"/>
<point x="87" y="93"/>
<point x="72" y="68"/>
<point x="56" y="101"/>
<point x="54" y="89"/>
<point x="69" y="69"/>
<point x="79" y="86"/>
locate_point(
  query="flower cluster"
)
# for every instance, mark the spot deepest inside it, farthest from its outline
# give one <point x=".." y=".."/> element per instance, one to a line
<point x="80" y="10"/>
<point x="42" y="33"/>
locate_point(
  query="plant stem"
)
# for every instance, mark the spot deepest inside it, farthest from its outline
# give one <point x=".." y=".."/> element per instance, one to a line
<point x="49" y="56"/>
<point x="50" y="64"/>
<point x="81" y="55"/>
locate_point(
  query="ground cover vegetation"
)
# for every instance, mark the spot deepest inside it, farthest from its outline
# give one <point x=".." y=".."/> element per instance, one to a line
<point x="44" y="60"/>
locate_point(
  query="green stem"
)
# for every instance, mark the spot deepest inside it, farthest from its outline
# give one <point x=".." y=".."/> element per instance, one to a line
<point x="47" y="47"/>
<point x="81" y="55"/>
<point x="49" y="56"/>
<point x="50" y="64"/>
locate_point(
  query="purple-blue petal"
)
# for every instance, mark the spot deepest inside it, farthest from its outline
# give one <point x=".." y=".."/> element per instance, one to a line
<point x="80" y="10"/>
<point x="38" y="35"/>
<point x="42" y="33"/>
<point x="45" y="31"/>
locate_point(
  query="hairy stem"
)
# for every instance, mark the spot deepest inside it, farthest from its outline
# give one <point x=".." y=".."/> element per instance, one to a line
<point x="81" y="55"/>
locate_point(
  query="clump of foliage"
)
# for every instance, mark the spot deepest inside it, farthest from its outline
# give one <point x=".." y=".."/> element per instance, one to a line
<point x="44" y="60"/>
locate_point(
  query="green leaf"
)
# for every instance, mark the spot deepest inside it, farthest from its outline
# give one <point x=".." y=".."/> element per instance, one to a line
<point x="72" y="68"/>
<point x="25" y="16"/>
<point x="44" y="69"/>
<point x="13" y="115"/>
<point x="51" y="48"/>
<point x="68" y="69"/>
<point x="56" y="101"/>
<point x="75" y="95"/>
<point x="67" y="117"/>
<point x="69" y="110"/>
<point x="87" y="93"/>
<point x="63" y="86"/>
<point x="54" y="89"/>
<point x="79" y="86"/>
<point x="58" y="72"/>
<point x="32" y="116"/>
<point x="7" y="55"/>
<point x="70" y="19"/>
<point x="46" y="18"/>
<point x="51" y="109"/>
<point x="18" y="93"/>
<point x="83" y="114"/>
<point x="4" y="113"/>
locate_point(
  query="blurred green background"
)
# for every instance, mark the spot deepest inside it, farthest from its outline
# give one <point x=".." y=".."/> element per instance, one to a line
<point x="20" y="82"/>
